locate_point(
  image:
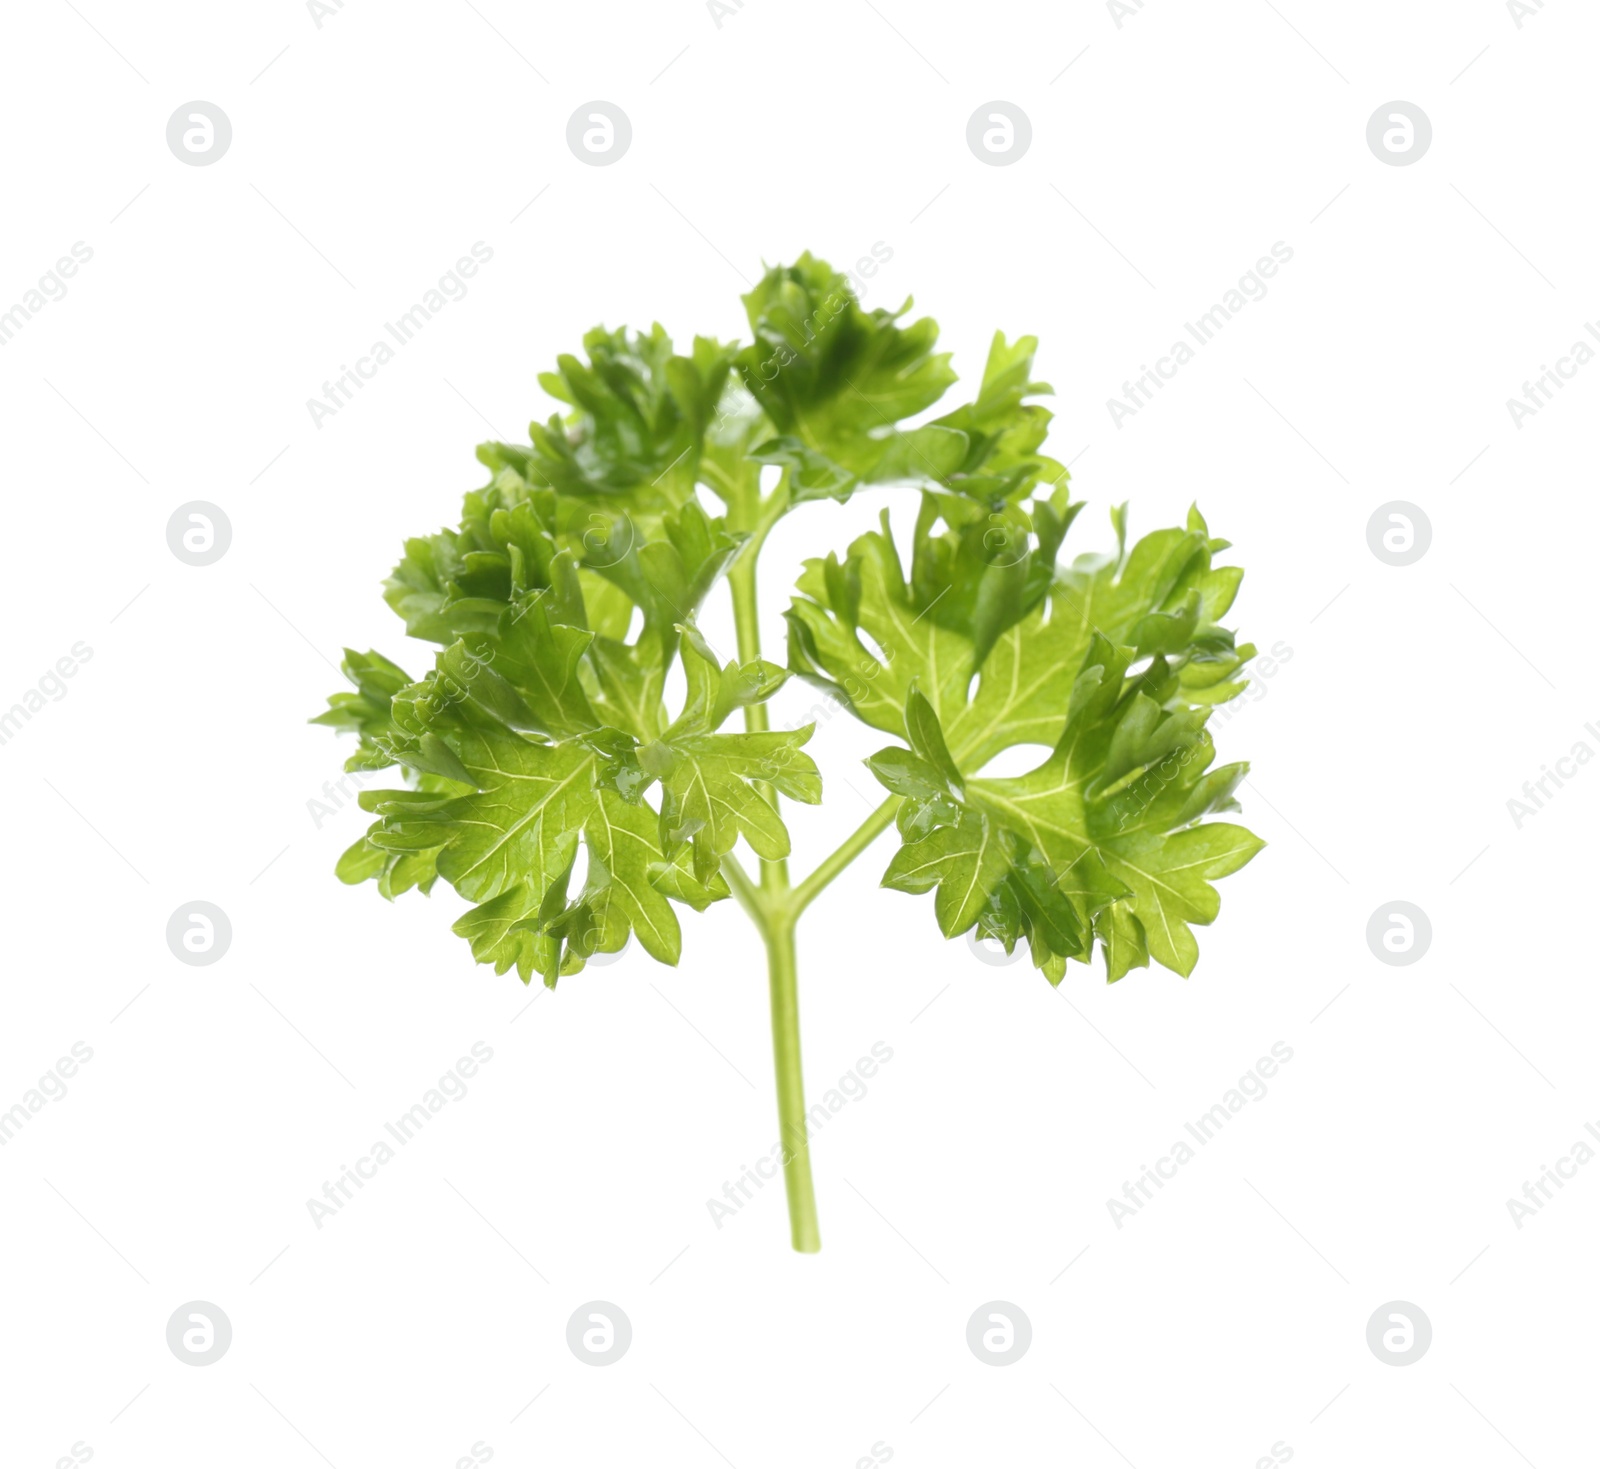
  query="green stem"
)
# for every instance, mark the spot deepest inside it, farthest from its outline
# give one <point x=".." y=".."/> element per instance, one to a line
<point x="774" y="907"/>
<point x="769" y="909"/>
<point x="781" y="974"/>
<point x="747" y="619"/>
<point x="836" y="862"/>
<point x="747" y="626"/>
<point x="746" y="893"/>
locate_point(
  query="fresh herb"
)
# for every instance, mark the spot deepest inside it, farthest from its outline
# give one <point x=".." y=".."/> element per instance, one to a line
<point x="546" y="780"/>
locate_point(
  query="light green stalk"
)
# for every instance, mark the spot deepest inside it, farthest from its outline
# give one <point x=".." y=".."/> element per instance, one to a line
<point x="775" y="907"/>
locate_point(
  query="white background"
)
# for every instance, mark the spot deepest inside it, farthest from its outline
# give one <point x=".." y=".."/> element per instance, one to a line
<point x="1169" y="153"/>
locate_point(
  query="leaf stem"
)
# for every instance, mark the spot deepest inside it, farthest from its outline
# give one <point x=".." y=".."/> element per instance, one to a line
<point x="748" y="895"/>
<point x="831" y="866"/>
<point x="747" y="627"/>
<point x="769" y="909"/>
<point x="781" y="975"/>
<point x="774" y="907"/>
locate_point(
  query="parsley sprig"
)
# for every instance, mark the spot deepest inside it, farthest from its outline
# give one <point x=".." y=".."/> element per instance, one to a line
<point x="542" y="775"/>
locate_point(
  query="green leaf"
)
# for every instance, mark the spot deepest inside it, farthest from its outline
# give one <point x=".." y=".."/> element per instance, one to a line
<point x="830" y="372"/>
<point x="709" y="781"/>
<point x="677" y="880"/>
<point x="1003" y="432"/>
<point x="499" y="933"/>
<point x="906" y="774"/>
<point x="367" y="711"/>
<point x="967" y="862"/>
<point x="520" y="824"/>
<point x="639" y="414"/>
<point x="1110" y="667"/>
<point x="506" y="816"/>
<point x="1122" y="940"/>
<point x="540" y="773"/>
<point x="622" y="840"/>
<point x="927" y="739"/>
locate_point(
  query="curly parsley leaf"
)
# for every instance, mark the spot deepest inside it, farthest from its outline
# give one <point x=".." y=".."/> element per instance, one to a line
<point x="1113" y="663"/>
<point x="536" y="737"/>
<point x="547" y="782"/>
